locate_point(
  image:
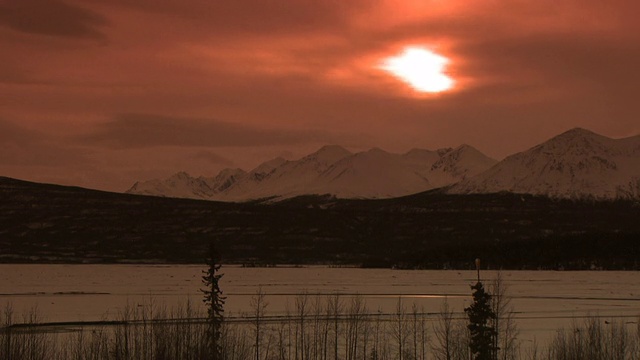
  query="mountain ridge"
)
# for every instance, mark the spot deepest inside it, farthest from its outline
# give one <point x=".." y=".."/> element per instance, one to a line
<point x="332" y="170"/>
<point x="574" y="164"/>
<point x="577" y="163"/>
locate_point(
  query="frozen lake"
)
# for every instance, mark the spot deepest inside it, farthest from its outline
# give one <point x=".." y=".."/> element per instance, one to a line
<point x="543" y="300"/>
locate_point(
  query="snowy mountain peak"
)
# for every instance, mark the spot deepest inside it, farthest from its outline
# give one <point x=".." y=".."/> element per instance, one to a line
<point x="459" y="164"/>
<point x="414" y="152"/>
<point x="226" y="178"/>
<point x="420" y="161"/>
<point x="576" y="137"/>
<point x="181" y="175"/>
<point x="577" y="163"/>
<point x="335" y="150"/>
<point x="417" y="153"/>
<point x="328" y="154"/>
<point x="180" y="185"/>
<point x="288" y="178"/>
<point x="580" y="145"/>
<point x="465" y="147"/>
<point x="266" y="168"/>
<point x="229" y="172"/>
<point x="578" y="132"/>
<point x="332" y="169"/>
<point x="469" y="152"/>
<point x="376" y="151"/>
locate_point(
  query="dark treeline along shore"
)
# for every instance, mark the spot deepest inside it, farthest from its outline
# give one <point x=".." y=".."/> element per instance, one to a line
<point x="55" y="224"/>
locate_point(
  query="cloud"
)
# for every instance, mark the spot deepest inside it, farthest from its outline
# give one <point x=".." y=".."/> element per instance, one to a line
<point x="148" y="130"/>
<point x="239" y="18"/>
<point x="537" y="68"/>
<point x="25" y="147"/>
<point x="11" y="133"/>
<point x="11" y="74"/>
<point x="51" y="17"/>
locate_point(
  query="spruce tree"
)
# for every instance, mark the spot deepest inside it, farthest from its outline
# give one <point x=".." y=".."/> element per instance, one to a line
<point x="481" y="332"/>
<point x="214" y="301"/>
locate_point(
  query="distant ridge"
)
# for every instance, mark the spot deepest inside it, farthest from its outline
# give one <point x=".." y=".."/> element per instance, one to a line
<point x="575" y="164"/>
<point x="331" y="170"/>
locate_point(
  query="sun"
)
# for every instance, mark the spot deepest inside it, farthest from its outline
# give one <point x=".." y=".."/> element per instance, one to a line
<point x="420" y="68"/>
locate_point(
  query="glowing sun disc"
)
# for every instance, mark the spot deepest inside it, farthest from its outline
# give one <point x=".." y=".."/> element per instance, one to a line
<point x="422" y="69"/>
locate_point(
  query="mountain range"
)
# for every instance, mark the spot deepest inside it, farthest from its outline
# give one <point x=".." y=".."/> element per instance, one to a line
<point x="574" y="164"/>
<point x="330" y="170"/>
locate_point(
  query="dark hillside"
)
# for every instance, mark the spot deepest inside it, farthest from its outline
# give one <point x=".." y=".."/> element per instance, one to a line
<point x="49" y="223"/>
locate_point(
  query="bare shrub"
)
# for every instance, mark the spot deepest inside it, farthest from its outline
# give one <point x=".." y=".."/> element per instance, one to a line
<point x="505" y="343"/>
<point x="594" y="339"/>
<point x="443" y="332"/>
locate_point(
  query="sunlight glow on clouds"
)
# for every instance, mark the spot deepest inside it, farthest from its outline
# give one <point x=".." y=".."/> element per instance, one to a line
<point x="421" y="68"/>
<point x="234" y="78"/>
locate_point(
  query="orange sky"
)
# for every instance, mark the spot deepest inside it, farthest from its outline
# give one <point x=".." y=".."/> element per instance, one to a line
<point x="101" y="93"/>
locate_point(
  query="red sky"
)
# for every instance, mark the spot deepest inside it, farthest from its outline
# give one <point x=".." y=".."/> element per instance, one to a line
<point x="101" y="93"/>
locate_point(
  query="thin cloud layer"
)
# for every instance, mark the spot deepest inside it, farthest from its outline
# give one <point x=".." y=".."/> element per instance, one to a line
<point x="51" y="17"/>
<point x="147" y="130"/>
<point x="213" y="158"/>
<point x="22" y="146"/>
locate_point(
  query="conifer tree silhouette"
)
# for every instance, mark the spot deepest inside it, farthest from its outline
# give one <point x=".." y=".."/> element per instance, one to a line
<point x="214" y="301"/>
<point x="480" y="313"/>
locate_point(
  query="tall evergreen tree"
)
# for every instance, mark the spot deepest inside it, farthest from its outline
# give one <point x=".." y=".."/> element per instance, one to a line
<point x="481" y="332"/>
<point x="214" y="301"/>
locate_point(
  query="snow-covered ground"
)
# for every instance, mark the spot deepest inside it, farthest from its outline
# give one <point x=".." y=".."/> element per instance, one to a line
<point x="543" y="300"/>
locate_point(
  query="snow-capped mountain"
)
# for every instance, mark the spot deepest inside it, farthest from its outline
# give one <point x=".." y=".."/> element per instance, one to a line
<point x="575" y="164"/>
<point x="250" y="181"/>
<point x="371" y="174"/>
<point x="182" y="185"/>
<point x="458" y="164"/>
<point x="379" y="174"/>
<point x="227" y="178"/>
<point x="290" y="178"/>
<point x="330" y="170"/>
